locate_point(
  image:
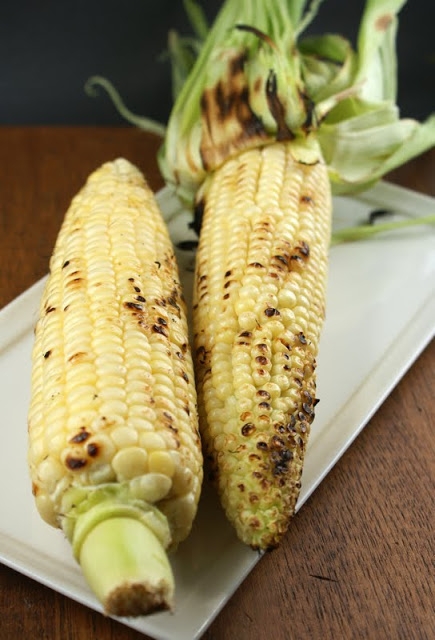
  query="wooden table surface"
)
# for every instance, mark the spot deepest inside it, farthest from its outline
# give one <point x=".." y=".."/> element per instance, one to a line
<point x="358" y="561"/>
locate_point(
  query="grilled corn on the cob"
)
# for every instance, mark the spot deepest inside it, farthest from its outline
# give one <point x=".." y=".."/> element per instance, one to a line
<point x="258" y="309"/>
<point x="265" y="119"/>
<point x="114" y="450"/>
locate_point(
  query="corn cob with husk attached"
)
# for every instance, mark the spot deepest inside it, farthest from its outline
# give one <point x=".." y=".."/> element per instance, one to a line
<point x="114" y="449"/>
<point x="264" y="125"/>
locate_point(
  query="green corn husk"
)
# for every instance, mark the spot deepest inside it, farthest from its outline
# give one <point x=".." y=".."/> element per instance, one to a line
<point x="345" y="96"/>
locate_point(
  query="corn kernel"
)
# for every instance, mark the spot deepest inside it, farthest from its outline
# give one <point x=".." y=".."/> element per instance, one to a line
<point x="129" y="463"/>
<point x="151" y="487"/>
<point x="161" y="462"/>
<point x="124" y="437"/>
<point x="152" y="441"/>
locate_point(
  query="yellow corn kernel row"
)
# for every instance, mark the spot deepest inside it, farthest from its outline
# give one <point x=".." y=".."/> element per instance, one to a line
<point x="113" y="397"/>
<point x="258" y="310"/>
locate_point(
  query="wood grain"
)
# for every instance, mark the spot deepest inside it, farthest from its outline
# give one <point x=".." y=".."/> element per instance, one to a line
<point x="358" y="561"/>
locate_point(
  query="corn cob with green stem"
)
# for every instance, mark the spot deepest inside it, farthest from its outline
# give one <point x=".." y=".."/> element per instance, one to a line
<point x="114" y="450"/>
<point x="265" y="124"/>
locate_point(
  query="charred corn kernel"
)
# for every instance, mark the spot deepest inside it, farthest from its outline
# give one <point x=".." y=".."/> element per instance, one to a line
<point x="112" y="378"/>
<point x="260" y="288"/>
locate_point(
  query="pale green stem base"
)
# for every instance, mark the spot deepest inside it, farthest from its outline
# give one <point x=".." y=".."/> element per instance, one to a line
<point x="127" y="567"/>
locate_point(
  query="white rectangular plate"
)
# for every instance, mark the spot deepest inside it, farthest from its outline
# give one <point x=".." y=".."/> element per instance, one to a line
<point x="380" y="316"/>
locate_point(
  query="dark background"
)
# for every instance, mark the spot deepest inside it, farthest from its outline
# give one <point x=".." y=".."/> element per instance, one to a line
<point x="48" y="50"/>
